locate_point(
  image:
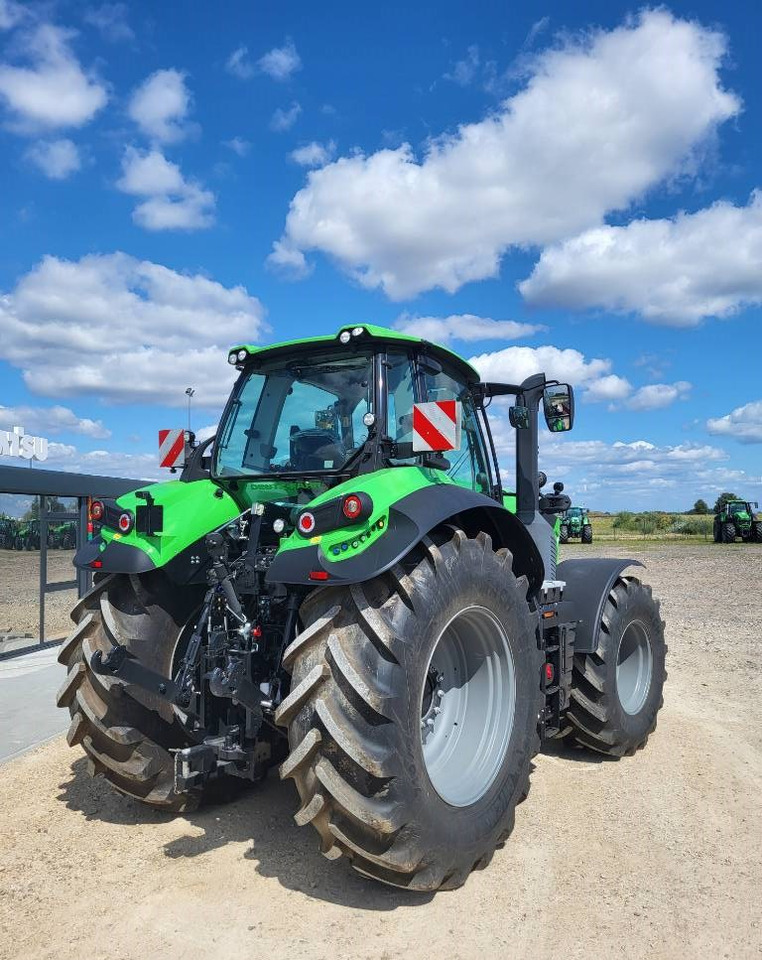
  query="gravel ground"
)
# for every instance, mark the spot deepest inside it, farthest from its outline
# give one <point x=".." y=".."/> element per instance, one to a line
<point x="655" y="856"/>
<point x="19" y="597"/>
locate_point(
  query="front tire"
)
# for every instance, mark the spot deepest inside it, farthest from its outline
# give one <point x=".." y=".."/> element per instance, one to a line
<point x="128" y="733"/>
<point x="587" y="534"/>
<point x="617" y="691"/>
<point x="411" y="803"/>
<point x="728" y="533"/>
<point x="563" y="533"/>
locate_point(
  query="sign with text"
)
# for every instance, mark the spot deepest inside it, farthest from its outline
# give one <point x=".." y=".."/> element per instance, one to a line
<point x="15" y="443"/>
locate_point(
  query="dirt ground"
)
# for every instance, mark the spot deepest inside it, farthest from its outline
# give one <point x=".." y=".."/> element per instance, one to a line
<point x="655" y="856"/>
<point x="19" y="596"/>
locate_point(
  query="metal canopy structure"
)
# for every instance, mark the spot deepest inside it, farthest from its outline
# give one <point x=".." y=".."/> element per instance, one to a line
<point x="57" y="483"/>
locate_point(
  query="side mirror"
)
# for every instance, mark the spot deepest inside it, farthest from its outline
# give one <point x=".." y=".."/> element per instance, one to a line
<point x="558" y="407"/>
<point x="519" y="417"/>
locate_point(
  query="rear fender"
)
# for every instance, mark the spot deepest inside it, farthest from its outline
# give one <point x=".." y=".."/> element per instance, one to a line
<point x="410" y="520"/>
<point x="588" y="582"/>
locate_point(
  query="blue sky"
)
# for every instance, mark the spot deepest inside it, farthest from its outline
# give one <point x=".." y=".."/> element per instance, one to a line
<point x="567" y="187"/>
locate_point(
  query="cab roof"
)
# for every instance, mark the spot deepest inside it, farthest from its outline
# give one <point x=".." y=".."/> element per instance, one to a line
<point x="359" y="333"/>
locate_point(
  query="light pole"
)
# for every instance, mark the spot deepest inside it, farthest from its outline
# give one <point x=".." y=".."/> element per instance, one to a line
<point x="189" y="393"/>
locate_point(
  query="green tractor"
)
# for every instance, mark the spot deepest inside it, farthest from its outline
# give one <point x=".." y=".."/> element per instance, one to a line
<point x="737" y="519"/>
<point x="62" y="536"/>
<point x="28" y="535"/>
<point x="8" y="533"/>
<point x="575" y="525"/>
<point x="345" y="589"/>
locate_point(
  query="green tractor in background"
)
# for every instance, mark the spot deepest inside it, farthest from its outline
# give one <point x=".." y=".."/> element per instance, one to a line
<point x="62" y="536"/>
<point x="8" y="533"/>
<point x="339" y="584"/>
<point x="737" y="519"/>
<point x="575" y="524"/>
<point x="28" y="535"/>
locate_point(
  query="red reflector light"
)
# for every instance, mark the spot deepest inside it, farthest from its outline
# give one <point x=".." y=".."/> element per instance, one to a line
<point x="125" y="522"/>
<point x="89" y="526"/>
<point x="352" y="507"/>
<point x="97" y="564"/>
<point x="257" y="632"/>
<point x="306" y="523"/>
<point x="97" y="510"/>
<point x="318" y="575"/>
<point x="549" y="672"/>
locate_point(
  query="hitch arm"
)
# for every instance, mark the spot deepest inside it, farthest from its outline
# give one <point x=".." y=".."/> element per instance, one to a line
<point x="119" y="662"/>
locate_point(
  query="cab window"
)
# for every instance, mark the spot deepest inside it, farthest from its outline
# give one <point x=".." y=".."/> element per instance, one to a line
<point x="468" y="466"/>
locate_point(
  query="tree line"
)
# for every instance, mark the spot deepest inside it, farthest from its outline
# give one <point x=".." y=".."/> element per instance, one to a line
<point x="701" y="507"/>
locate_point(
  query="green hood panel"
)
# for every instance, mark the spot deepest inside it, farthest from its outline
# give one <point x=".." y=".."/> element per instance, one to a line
<point x="191" y="510"/>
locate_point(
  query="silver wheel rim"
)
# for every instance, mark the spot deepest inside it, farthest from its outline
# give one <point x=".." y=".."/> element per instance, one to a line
<point x="634" y="667"/>
<point x="467" y="706"/>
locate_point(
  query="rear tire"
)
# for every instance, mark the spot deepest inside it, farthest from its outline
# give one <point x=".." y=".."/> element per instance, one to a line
<point x="587" y="534"/>
<point x="127" y="733"/>
<point x="728" y="533"/>
<point x="617" y="691"/>
<point x="379" y="784"/>
<point x="563" y="533"/>
<point x="758" y="531"/>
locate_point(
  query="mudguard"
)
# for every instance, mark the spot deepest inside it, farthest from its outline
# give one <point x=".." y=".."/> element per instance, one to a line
<point x="588" y="582"/>
<point x="410" y="519"/>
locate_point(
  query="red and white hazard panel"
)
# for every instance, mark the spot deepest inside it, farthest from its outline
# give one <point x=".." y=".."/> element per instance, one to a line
<point x="436" y="426"/>
<point x="171" y="448"/>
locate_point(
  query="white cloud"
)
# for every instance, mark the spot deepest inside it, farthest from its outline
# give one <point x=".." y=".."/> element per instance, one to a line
<point x="618" y="392"/>
<point x="598" y="122"/>
<point x="656" y="396"/>
<point x="194" y="210"/>
<point x="281" y="62"/>
<point x="239" y="64"/>
<point x="743" y="424"/>
<point x="288" y="262"/>
<point x="314" y="154"/>
<point x="111" y="20"/>
<point x="283" y="120"/>
<point x="107" y="463"/>
<point x="160" y="107"/>
<point x="124" y="330"/>
<point x="57" y="159"/>
<point x="51" y="420"/>
<point x="11" y="14"/>
<point x="608" y="389"/>
<point x="173" y="203"/>
<point x="53" y="91"/>
<point x="538" y="27"/>
<point x="515" y="364"/>
<point x="238" y="145"/>
<point x="465" y="327"/>
<point x="676" y="272"/>
<point x="147" y="173"/>
<point x="465" y="70"/>
<point x="626" y="475"/>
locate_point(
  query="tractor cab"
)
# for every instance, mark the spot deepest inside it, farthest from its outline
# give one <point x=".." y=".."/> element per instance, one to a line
<point x="369" y="401"/>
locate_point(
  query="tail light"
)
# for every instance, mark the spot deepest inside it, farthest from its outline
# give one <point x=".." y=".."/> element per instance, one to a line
<point x="352" y="507"/>
<point x="125" y="522"/>
<point x="306" y="523"/>
<point x="97" y="510"/>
